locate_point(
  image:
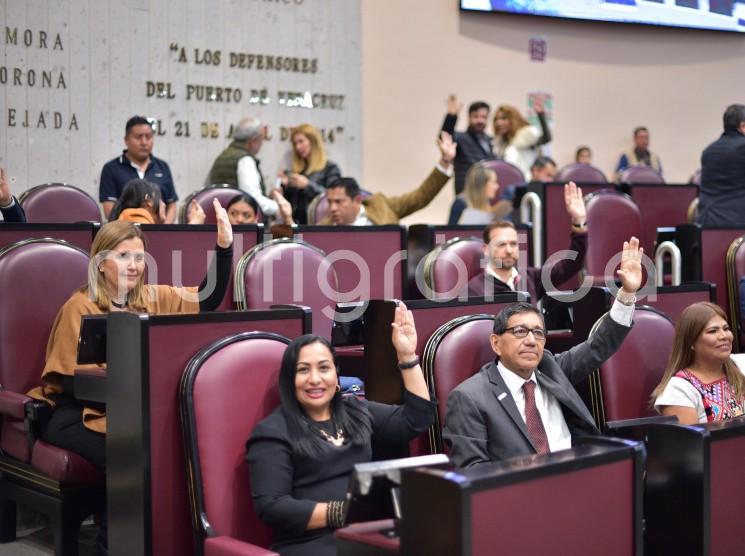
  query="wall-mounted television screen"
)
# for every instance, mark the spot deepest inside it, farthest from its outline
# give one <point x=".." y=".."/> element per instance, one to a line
<point x="719" y="15"/>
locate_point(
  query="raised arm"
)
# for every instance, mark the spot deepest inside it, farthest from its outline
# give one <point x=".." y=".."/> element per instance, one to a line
<point x="212" y="292"/>
<point x="451" y="118"/>
<point x="403" y="337"/>
<point x="9" y="206"/>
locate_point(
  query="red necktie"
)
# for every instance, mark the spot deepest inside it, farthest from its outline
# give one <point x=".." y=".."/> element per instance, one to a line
<point x="533" y="420"/>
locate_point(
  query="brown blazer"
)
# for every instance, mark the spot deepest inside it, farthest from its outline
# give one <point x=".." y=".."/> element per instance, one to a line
<point x="381" y="209"/>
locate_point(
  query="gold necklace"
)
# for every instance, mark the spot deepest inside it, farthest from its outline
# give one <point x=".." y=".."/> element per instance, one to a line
<point x="337" y="440"/>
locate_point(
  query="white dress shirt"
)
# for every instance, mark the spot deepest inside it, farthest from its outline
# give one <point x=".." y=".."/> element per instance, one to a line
<point x="250" y="181"/>
<point x="557" y="430"/>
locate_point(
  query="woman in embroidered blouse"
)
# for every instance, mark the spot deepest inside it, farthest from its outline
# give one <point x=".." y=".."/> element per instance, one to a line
<point x="302" y="455"/>
<point x="701" y="382"/>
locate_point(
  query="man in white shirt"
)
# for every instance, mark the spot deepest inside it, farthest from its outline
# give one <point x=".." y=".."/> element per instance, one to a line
<point x="525" y="402"/>
<point x="239" y="166"/>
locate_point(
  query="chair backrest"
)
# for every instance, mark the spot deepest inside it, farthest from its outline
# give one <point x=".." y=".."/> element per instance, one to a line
<point x="59" y="203"/>
<point x="640" y="174"/>
<point x="612" y="218"/>
<point x="37" y="276"/>
<point x="622" y="387"/>
<point x="455" y="352"/>
<point x="318" y="207"/>
<point x="449" y="267"/>
<point x="581" y="173"/>
<point x="285" y="271"/>
<point x="204" y="196"/>
<point x="225" y="391"/>
<point x="507" y="173"/>
<point x="735" y="262"/>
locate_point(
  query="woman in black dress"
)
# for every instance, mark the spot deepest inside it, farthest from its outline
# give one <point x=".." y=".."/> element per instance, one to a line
<point x="302" y="455"/>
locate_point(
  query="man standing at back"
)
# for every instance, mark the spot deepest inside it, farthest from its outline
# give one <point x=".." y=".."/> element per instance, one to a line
<point x="722" y="191"/>
<point x="137" y="162"/>
<point x="474" y="144"/>
<point x="640" y="155"/>
<point x="239" y="166"/>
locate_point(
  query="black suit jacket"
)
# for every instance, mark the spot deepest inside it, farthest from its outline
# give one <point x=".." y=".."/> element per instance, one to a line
<point x="469" y="150"/>
<point x="722" y="192"/>
<point x="483" y="423"/>
<point x="14" y="213"/>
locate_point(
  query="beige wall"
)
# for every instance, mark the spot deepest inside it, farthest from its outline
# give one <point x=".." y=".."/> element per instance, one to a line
<point x="605" y="79"/>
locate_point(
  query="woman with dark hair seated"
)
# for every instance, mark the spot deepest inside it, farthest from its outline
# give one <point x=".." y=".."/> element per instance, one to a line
<point x="302" y="455"/>
<point x="141" y="202"/>
<point x="242" y="209"/>
<point x="701" y="382"/>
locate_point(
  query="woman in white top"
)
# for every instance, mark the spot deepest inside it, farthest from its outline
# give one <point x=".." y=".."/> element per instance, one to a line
<point x="515" y="140"/>
<point x="701" y="382"/>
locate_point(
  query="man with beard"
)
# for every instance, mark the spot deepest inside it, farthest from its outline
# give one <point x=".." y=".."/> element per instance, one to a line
<point x="502" y="250"/>
<point x="474" y="144"/>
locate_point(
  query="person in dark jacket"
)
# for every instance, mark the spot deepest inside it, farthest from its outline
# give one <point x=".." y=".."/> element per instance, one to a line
<point x="474" y="145"/>
<point x="10" y="208"/>
<point x="722" y="191"/>
<point x="311" y="172"/>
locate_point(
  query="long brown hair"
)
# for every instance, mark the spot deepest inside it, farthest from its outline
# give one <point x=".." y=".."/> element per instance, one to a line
<point x="108" y="237"/>
<point x="689" y="327"/>
<point x="517" y="122"/>
<point x="475" y="188"/>
<point x="317" y="158"/>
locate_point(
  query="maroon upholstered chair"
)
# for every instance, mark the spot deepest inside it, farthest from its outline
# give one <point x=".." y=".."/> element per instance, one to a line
<point x="288" y="271"/>
<point x="622" y="387"/>
<point x="455" y="352"/>
<point x="507" y="173"/>
<point x="59" y="203"/>
<point x="225" y="391"/>
<point x="735" y="272"/>
<point x="449" y="267"/>
<point x="204" y="196"/>
<point x="612" y="218"/>
<point x="37" y="276"/>
<point x="640" y="174"/>
<point x="581" y="173"/>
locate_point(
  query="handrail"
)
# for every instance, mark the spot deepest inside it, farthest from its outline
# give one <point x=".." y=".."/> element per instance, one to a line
<point x="667" y="248"/>
<point x="531" y="210"/>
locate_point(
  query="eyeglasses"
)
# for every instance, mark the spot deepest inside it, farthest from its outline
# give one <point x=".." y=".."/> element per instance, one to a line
<point x="522" y="332"/>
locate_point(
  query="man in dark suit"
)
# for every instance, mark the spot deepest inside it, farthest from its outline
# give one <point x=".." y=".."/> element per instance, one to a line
<point x="722" y="191"/>
<point x="474" y="145"/>
<point x="10" y="208"/>
<point x="525" y="402"/>
<point x="502" y="251"/>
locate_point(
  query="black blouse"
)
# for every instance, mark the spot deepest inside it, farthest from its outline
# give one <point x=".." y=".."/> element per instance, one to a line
<point x="286" y="486"/>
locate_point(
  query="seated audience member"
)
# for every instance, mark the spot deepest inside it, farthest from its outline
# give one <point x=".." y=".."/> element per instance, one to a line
<point x="721" y="193"/>
<point x="583" y="155"/>
<point x="502" y="251"/>
<point x="347" y="207"/>
<point x="311" y="171"/>
<point x="474" y="144"/>
<point x="115" y="283"/>
<point x="242" y="209"/>
<point x="543" y="170"/>
<point x="302" y="455"/>
<point x="640" y="155"/>
<point x="10" y="208"/>
<point x="525" y="402"/>
<point x="475" y="206"/>
<point x="701" y="382"/>
<point x="238" y="164"/>
<point x="140" y="202"/>
<point x="137" y="161"/>
<point x="516" y="141"/>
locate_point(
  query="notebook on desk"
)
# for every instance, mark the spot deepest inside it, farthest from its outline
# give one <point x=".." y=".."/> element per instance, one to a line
<point x="92" y="340"/>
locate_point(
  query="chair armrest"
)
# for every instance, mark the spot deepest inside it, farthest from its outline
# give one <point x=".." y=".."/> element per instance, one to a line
<point x="13" y="404"/>
<point x="228" y="546"/>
